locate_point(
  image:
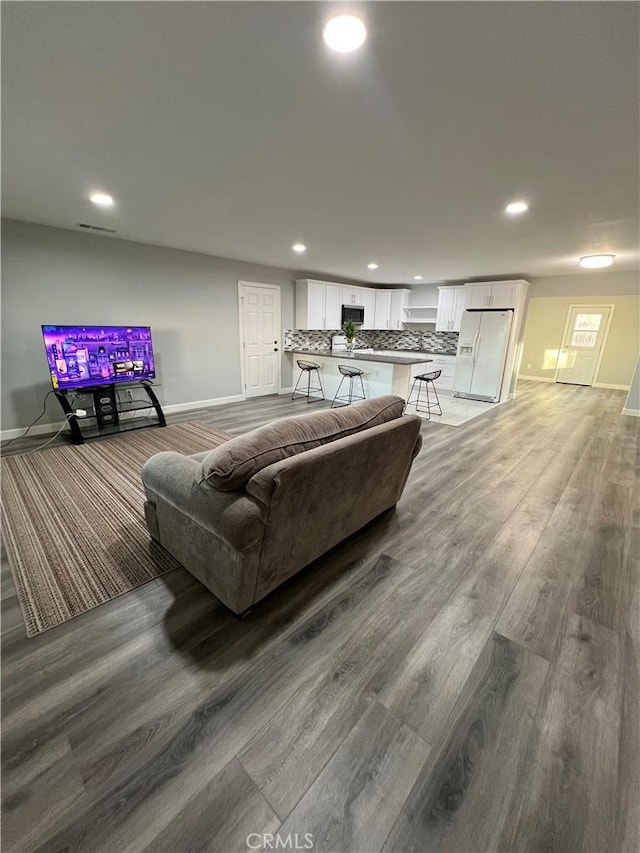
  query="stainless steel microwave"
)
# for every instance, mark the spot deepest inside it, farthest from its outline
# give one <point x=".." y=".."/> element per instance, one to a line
<point x="355" y="313"/>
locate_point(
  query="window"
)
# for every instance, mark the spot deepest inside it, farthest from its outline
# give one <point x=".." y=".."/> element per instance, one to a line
<point x="587" y="322"/>
<point x="585" y="331"/>
<point x="584" y="340"/>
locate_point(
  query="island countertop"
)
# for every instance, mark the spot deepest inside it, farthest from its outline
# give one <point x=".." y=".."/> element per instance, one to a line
<point x="417" y="358"/>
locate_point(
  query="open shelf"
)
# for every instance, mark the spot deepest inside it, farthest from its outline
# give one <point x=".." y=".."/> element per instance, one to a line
<point x="113" y="429"/>
<point x="123" y="408"/>
<point x="424" y="316"/>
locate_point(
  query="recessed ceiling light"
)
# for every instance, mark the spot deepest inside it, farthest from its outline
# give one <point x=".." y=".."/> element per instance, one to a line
<point x="372" y="266"/>
<point x="594" y="262"/>
<point x="417" y="278"/>
<point x="299" y="248"/>
<point x="101" y="199"/>
<point x="517" y="207"/>
<point x="344" y="33"/>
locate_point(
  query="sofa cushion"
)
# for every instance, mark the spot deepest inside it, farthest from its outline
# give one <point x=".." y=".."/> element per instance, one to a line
<point x="231" y="466"/>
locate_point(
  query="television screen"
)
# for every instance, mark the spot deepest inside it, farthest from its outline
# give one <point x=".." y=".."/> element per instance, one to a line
<point x="85" y="356"/>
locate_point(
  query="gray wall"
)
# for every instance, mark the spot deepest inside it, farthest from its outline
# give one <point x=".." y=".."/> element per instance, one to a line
<point x="424" y="294"/>
<point x="51" y="275"/>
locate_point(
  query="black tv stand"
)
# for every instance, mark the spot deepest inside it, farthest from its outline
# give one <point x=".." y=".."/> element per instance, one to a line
<point x="106" y="413"/>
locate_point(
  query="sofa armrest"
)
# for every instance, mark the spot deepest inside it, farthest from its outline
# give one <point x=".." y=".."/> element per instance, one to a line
<point x="234" y="517"/>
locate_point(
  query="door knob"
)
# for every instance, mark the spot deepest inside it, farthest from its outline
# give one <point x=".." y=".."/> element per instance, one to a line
<point x="275" y="349"/>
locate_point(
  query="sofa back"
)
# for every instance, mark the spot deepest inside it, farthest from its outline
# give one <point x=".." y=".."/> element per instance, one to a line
<point x="231" y="465"/>
<point x="318" y="498"/>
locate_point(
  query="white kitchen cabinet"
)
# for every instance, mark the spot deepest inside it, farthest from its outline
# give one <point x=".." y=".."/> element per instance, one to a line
<point x="352" y="295"/>
<point x="451" y="303"/>
<point x="383" y="309"/>
<point x="368" y="297"/>
<point x="492" y="294"/>
<point x="447" y="364"/>
<point x="318" y="304"/>
<point x="397" y="312"/>
<point x="444" y="363"/>
<point x="503" y="295"/>
<point x="478" y="295"/>
<point x="390" y="309"/>
<point x="316" y="296"/>
<point x="333" y="307"/>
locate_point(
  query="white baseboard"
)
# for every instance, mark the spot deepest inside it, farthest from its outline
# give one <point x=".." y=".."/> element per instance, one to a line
<point x="202" y="404"/>
<point x="612" y="387"/>
<point x="536" y="378"/>
<point x="286" y="390"/>
<point x="635" y="413"/>
<point x="38" y="429"/>
<point x="195" y="405"/>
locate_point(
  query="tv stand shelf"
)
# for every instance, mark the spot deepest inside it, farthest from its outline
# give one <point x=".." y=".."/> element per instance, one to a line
<point x="107" y="414"/>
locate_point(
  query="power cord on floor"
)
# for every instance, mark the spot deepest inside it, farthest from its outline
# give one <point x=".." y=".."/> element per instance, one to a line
<point x="32" y="424"/>
<point x="49" y="440"/>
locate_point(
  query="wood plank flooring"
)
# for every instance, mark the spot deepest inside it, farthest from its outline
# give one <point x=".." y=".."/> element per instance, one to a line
<point x="462" y="675"/>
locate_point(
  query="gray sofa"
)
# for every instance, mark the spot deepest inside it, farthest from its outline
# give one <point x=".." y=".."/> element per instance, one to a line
<point x="253" y="511"/>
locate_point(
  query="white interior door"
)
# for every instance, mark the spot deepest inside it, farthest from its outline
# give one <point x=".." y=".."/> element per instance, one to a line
<point x="585" y="334"/>
<point x="260" y="338"/>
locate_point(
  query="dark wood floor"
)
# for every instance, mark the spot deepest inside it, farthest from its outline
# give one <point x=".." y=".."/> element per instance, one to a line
<point x="462" y="675"/>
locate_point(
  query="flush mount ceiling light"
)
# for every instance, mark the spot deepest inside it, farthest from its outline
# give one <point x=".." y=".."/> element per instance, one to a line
<point x="515" y="207"/>
<point x="417" y="278"/>
<point x="344" y="33"/>
<point x="101" y="199"/>
<point x="372" y="266"/>
<point x="594" y="262"/>
<point x="299" y="248"/>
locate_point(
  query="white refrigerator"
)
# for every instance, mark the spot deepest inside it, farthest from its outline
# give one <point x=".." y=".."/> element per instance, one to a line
<point x="482" y="353"/>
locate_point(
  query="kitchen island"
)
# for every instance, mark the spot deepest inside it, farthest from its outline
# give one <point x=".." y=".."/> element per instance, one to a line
<point x="384" y="372"/>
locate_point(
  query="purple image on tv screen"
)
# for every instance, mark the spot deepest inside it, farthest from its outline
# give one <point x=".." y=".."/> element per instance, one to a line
<point x="84" y="356"/>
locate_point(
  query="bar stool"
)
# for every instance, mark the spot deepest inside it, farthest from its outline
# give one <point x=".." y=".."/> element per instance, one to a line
<point x="308" y="367"/>
<point x="350" y="373"/>
<point x="427" y="379"/>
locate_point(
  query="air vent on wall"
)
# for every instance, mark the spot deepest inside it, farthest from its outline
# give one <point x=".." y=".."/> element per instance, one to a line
<point x="97" y="228"/>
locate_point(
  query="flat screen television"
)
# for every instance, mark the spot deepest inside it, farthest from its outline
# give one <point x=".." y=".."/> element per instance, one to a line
<point x="86" y="356"/>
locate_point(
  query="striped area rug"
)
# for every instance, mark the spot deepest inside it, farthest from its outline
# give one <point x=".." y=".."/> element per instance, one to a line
<point x="73" y="521"/>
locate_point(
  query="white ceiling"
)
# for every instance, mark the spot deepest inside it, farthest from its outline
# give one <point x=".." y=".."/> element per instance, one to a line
<point x="230" y="129"/>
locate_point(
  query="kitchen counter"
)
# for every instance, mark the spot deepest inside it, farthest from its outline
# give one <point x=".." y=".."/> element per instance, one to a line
<point x="382" y="373"/>
<point x="416" y="358"/>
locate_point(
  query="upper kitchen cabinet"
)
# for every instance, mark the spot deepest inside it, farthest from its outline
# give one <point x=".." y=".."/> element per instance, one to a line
<point x="318" y="305"/>
<point x="478" y="295"/>
<point x="451" y="304"/>
<point x="352" y="295"/>
<point x="390" y="309"/>
<point x="383" y="309"/>
<point x="397" y="314"/>
<point x="333" y="307"/>
<point x="368" y="296"/>
<point x="494" y="294"/>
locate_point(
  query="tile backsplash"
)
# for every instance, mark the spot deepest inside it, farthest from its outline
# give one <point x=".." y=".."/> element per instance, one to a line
<point x="441" y="342"/>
